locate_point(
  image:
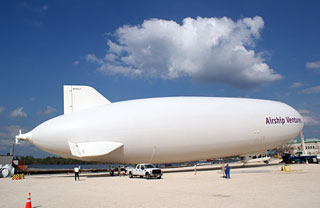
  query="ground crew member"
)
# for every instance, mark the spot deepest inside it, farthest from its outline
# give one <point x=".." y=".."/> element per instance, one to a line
<point x="227" y="171"/>
<point x="76" y="173"/>
<point x="223" y="170"/>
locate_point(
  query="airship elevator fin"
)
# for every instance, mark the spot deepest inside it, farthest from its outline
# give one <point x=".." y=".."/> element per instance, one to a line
<point x="92" y="149"/>
<point x="76" y="97"/>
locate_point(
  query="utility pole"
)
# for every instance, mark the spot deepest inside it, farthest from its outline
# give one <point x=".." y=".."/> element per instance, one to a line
<point x="302" y="142"/>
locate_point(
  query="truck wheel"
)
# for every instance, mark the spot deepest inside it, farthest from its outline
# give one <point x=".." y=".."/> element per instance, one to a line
<point x="147" y="175"/>
<point x="130" y="175"/>
<point x="159" y="177"/>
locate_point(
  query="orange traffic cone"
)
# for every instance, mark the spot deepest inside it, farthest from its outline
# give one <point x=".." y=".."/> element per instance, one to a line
<point x="28" y="203"/>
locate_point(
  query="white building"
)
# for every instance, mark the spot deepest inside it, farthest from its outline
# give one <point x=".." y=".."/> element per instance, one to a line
<point x="312" y="146"/>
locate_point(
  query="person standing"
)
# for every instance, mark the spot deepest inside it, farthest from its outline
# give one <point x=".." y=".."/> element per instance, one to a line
<point x="76" y="173"/>
<point x="227" y="169"/>
<point x="223" y="170"/>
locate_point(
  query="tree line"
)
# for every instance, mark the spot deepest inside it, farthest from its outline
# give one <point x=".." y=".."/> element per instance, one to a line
<point x="30" y="160"/>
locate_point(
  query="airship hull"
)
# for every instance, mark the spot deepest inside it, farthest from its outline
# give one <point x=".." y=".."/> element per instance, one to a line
<point x="168" y="130"/>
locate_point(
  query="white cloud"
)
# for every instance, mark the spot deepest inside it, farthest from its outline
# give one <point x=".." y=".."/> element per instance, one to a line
<point x="205" y="49"/>
<point x="2" y="109"/>
<point x="296" y="85"/>
<point x="31" y="99"/>
<point x="18" y="113"/>
<point x="313" y="65"/>
<point x="307" y="119"/>
<point x="93" y="59"/>
<point x="7" y="135"/>
<point x="303" y="111"/>
<point x="76" y="62"/>
<point x="41" y="9"/>
<point x="44" y="8"/>
<point x="48" y="110"/>
<point x="312" y="90"/>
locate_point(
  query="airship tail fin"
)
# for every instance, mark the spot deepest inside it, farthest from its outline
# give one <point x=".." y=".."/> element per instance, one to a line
<point x="76" y="97"/>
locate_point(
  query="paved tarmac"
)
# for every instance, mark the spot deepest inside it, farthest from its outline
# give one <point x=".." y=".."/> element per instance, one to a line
<point x="265" y="186"/>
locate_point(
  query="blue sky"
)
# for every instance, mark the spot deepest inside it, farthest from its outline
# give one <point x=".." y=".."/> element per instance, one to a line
<point x="139" y="49"/>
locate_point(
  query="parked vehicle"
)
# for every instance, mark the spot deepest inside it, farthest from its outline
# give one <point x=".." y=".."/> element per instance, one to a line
<point x="115" y="171"/>
<point x="289" y="159"/>
<point x="146" y="170"/>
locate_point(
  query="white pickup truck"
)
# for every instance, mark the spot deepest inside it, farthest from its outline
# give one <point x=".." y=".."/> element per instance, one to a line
<point x="146" y="170"/>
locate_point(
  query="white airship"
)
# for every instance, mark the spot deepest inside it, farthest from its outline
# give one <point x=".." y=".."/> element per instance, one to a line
<point x="163" y="130"/>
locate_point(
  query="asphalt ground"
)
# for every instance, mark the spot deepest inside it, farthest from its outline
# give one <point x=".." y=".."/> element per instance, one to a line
<point x="264" y="186"/>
